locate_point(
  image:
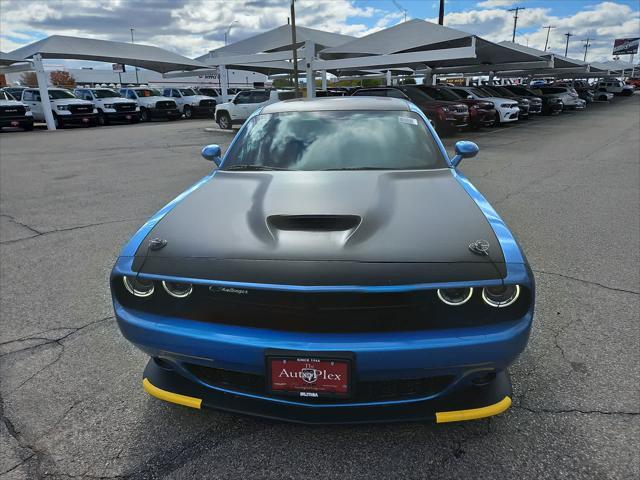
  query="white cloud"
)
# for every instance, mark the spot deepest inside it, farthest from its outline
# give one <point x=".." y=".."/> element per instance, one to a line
<point x="496" y="3"/>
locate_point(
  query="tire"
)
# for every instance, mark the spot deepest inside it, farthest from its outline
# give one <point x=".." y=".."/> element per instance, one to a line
<point x="187" y="112"/>
<point x="627" y="93"/>
<point x="135" y="119"/>
<point x="224" y="121"/>
<point x="497" y="122"/>
<point x="144" y="115"/>
<point x="57" y="121"/>
<point x="27" y="127"/>
<point x="102" y="118"/>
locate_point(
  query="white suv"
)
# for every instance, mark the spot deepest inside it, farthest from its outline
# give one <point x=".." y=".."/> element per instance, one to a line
<point x="66" y="107"/>
<point x="507" y="109"/>
<point x="245" y="103"/>
<point x="110" y="105"/>
<point x="14" y="113"/>
<point x="152" y="104"/>
<point x="616" y="87"/>
<point x="190" y="103"/>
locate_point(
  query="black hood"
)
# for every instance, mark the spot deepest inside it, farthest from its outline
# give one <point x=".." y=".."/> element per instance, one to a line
<point x="333" y="227"/>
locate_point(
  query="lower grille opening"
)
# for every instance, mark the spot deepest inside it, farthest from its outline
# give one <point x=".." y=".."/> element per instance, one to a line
<point x="366" y="391"/>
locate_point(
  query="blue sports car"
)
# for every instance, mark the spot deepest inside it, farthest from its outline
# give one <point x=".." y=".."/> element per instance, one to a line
<point x="335" y="267"/>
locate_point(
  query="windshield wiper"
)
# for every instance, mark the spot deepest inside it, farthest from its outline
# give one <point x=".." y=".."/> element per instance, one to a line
<point x="252" y="167"/>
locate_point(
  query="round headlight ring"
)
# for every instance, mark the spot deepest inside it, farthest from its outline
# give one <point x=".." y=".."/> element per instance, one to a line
<point x="170" y="288"/>
<point x="509" y="300"/>
<point x="138" y="286"/>
<point x="444" y="298"/>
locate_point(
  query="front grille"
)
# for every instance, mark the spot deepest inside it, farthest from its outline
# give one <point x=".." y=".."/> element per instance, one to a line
<point x="79" y="109"/>
<point x="369" y="391"/>
<point x="12" y="111"/>
<point x="208" y="103"/>
<point x="166" y="105"/>
<point x="321" y="312"/>
<point x="125" y="107"/>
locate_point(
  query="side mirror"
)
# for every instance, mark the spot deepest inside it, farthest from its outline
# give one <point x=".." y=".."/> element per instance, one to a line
<point x="464" y="149"/>
<point x="212" y="153"/>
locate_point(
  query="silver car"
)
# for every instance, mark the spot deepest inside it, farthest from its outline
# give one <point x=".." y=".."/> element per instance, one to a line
<point x="568" y="95"/>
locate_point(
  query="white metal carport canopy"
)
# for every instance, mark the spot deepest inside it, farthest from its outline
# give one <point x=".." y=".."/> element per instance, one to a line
<point x="419" y="44"/>
<point x="76" y="48"/>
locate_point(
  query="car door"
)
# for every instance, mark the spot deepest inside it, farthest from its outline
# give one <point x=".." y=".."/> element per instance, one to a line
<point x="257" y="99"/>
<point x="241" y="104"/>
<point x="32" y="98"/>
<point x="177" y="97"/>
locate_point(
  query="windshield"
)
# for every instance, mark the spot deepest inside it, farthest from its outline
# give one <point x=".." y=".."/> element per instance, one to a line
<point x="442" y="94"/>
<point x="105" y="93"/>
<point x="210" y="92"/>
<point x="499" y="90"/>
<point x="417" y="95"/>
<point x="479" y="92"/>
<point x="187" y="92"/>
<point x="335" y="140"/>
<point x="58" y="94"/>
<point x="148" y="92"/>
<point x="5" y="96"/>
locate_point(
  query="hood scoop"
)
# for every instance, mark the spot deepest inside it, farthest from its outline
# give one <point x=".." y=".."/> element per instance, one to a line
<point x="313" y="223"/>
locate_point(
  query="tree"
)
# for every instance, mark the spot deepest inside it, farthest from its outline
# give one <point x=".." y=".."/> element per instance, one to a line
<point x="408" y="81"/>
<point x="29" y="79"/>
<point x="62" y="78"/>
<point x="281" y="82"/>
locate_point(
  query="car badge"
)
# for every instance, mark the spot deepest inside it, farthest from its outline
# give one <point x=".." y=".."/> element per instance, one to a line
<point x="237" y="291"/>
<point x="480" y="247"/>
<point x="309" y="375"/>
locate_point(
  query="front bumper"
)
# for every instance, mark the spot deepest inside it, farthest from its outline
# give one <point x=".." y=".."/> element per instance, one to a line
<point x="168" y="113"/>
<point x="483" y="118"/>
<point x="509" y="114"/>
<point x="203" y="111"/>
<point x="471" y="403"/>
<point x="79" y="118"/>
<point x="461" y="354"/>
<point x="123" y="116"/>
<point x="21" y="121"/>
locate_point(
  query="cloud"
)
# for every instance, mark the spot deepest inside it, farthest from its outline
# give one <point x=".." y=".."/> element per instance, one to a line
<point x="496" y="3"/>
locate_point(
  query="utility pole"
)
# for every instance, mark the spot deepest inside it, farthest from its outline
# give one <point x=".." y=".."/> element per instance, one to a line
<point x="441" y="13"/>
<point x="515" y="20"/>
<point x="137" y="81"/>
<point x="566" y="49"/>
<point x="586" y="47"/>
<point x="548" y="27"/>
<point x="294" y="49"/>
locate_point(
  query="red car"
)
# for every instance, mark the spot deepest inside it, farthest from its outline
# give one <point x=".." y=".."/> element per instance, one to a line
<point x="634" y="81"/>
<point x="481" y="112"/>
<point x="445" y="116"/>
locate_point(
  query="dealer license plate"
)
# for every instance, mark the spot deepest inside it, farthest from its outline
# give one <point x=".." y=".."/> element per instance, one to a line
<point x="128" y="117"/>
<point x="14" y="123"/>
<point x="85" y="120"/>
<point x="309" y="377"/>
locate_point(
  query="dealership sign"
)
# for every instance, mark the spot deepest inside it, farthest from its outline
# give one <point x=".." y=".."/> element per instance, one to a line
<point x="626" y="46"/>
<point x="118" y="67"/>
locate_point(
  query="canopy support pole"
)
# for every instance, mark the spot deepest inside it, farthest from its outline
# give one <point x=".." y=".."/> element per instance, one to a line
<point x="224" y="85"/>
<point x="309" y="51"/>
<point x="324" y="80"/>
<point x="491" y="75"/>
<point x="428" y="77"/>
<point x="388" y="77"/>
<point x="43" y="86"/>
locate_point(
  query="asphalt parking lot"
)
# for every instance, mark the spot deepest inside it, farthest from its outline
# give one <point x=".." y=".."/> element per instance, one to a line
<point x="72" y="403"/>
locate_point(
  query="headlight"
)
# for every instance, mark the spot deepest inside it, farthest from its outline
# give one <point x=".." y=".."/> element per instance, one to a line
<point x="178" y="290"/>
<point x="501" y="295"/>
<point x="62" y="107"/>
<point x="506" y="105"/>
<point x="195" y="103"/>
<point x="140" y="287"/>
<point x="108" y="105"/>
<point x="445" y="109"/>
<point x="455" y="296"/>
<point x="95" y="110"/>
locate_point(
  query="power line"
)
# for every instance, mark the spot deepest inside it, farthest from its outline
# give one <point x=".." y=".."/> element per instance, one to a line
<point x="401" y="8"/>
<point x="566" y="49"/>
<point x="586" y="47"/>
<point x="548" y="27"/>
<point x="515" y="20"/>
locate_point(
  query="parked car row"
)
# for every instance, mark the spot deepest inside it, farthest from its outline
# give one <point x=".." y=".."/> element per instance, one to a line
<point x="21" y="106"/>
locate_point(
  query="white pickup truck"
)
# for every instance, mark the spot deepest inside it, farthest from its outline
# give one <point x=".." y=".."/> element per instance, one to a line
<point x="152" y="103"/>
<point x="245" y="103"/>
<point x="617" y="87"/>
<point x="67" y="109"/>
<point x="190" y="103"/>
<point x="14" y="113"/>
<point x="110" y="105"/>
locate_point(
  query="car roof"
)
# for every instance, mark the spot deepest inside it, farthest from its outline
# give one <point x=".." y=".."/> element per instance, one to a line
<point x="337" y="103"/>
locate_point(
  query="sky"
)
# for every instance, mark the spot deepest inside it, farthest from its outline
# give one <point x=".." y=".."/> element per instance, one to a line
<point x="193" y="27"/>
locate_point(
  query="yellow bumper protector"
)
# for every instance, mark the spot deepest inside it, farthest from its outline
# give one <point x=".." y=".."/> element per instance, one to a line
<point x="170" y="396"/>
<point x="474" y="413"/>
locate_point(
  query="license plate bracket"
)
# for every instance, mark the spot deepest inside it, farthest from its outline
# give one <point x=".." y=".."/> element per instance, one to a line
<point x="310" y="375"/>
